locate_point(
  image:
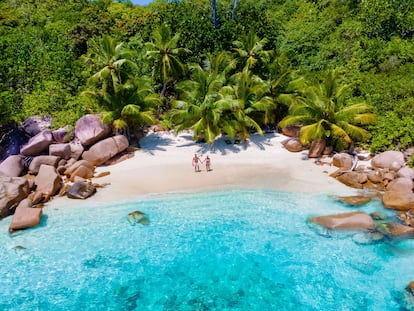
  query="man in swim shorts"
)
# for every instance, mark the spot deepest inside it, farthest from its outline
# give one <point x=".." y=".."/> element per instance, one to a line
<point x="196" y="163"/>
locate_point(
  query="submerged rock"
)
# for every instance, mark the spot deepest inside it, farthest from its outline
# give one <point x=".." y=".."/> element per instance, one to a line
<point x="354" y="199"/>
<point x="138" y="217"/>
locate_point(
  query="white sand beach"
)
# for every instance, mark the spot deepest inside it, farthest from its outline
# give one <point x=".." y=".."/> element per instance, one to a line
<point x="164" y="164"/>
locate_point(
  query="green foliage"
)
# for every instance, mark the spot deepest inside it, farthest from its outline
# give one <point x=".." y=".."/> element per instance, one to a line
<point x="44" y="43"/>
<point x="395" y="131"/>
<point x="324" y="112"/>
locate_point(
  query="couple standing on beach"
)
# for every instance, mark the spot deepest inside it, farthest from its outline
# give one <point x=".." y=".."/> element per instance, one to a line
<point x="197" y="161"/>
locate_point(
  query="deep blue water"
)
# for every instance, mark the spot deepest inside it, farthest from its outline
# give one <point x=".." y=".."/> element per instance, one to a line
<point x="232" y="250"/>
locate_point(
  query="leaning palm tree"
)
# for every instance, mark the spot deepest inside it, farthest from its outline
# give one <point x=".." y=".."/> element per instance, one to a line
<point x="324" y="112"/>
<point x="164" y="52"/>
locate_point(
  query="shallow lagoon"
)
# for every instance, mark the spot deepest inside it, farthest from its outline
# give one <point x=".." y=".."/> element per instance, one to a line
<point x="229" y="250"/>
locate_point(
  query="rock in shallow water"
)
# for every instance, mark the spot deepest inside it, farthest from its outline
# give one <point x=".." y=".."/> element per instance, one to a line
<point x="138" y="217"/>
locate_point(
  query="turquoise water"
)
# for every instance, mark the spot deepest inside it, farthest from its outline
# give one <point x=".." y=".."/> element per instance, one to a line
<point x="232" y="250"/>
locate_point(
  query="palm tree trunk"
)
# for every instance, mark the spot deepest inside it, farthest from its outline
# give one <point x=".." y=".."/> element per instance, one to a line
<point x="215" y="16"/>
<point x="233" y="12"/>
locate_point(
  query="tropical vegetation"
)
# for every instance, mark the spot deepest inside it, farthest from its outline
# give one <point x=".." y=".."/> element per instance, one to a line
<point x="342" y="69"/>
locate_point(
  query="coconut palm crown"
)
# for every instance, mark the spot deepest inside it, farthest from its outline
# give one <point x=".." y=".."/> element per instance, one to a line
<point x="324" y="112"/>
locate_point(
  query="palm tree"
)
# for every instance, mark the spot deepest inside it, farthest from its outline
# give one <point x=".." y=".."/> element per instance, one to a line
<point x="247" y="105"/>
<point x="112" y="62"/>
<point x="165" y="54"/>
<point x="251" y="50"/>
<point x="324" y="112"/>
<point x="198" y="107"/>
<point x="126" y="101"/>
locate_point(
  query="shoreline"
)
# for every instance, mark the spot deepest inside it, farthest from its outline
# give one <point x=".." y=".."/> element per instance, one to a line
<point x="163" y="165"/>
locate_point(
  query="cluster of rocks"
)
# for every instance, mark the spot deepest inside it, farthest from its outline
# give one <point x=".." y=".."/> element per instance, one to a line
<point x="386" y="177"/>
<point x="50" y="163"/>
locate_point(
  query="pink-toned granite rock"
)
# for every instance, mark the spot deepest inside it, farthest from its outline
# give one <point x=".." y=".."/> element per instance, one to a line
<point x="13" y="166"/>
<point x="106" y="149"/>
<point x="60" y="150"/>
<point x="353" y="220"/>
<point x="37" y="144"/>
<point x="40" y="160"/>
<point x="12" y="191"/>
<point x="402" y="201"/>
<point x="48" y="180"/>
<point x="89" y="129"/>
<point x="389" y="159"/>
<point x="25" y="216"/>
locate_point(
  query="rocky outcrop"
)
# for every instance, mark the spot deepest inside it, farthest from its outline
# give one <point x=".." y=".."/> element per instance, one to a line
<point x="89" y="129"/>
<point x="81" y="190"/>
<point x="400" y="184"/>
<point x="291" y="130"/>
<point x="401" y="201"/>
<point x="293" y="145"/>
<point x="12" y="191"/>
<point x="342" y="160"/>
<point x="353" y="179"/>
<point x="36" y="124"/>
<point x="392" y="160"/>
<point x="60" y="150"/>
<point x="102" y="151"/>
<point x="406" y="171"/>
<point x="37" y="144"/>
<point x="25" y="216"/>
<point x="316" y="149"/>
<point x="353" y="220"/>
<point x="13" y="166"/>
<point x="42" y="160"/>
<point x="48" y="181"/>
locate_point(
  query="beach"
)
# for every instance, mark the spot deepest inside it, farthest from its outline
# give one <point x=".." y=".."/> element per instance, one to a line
<point x="163" y="164"/>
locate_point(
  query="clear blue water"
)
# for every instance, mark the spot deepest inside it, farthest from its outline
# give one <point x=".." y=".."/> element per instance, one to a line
<point x="230" y="250"/>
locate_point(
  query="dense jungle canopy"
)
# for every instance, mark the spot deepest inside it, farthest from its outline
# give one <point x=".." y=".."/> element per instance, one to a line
<point x="342" y="68"/>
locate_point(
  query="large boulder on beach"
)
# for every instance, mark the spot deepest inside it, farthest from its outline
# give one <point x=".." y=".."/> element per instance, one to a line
<point x="62" y="135"/>
<point x="406" y="171"/>
<point x="389" y="159"/>
<point x="291" y="130"/>
<point x="35" y="124"/>
<point x="37" y="144"/>
<point x="48" y="181"/>
<point x="342" y="160"/>
<point x="76" y="149"/>
<point x="60" y="150"/>
<point x="353" y="220"/>
<point x="106" y="149"/>
<point x="12" y="191"/>
<point x="293" y="145"/>
<point x="353" y="179"/>
<point x="402" y="201"/>
<point x="316" y="149"/>
<point x="25" y="216"/>
<point x="89" y="129"/>
<point x="400" y="184"/>
<point x="81" y="168"/>
<point x="42" y="160"/>
<point x="81" y="190"/>
<point x="13" y="166"/>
